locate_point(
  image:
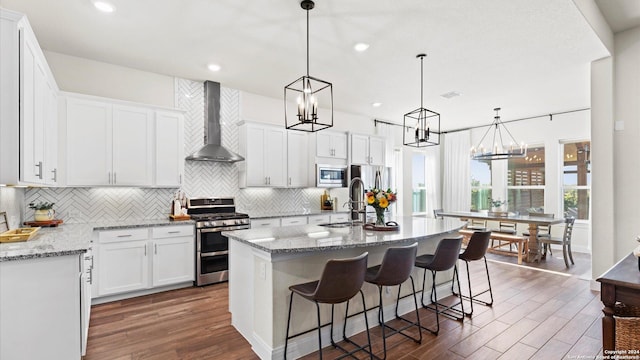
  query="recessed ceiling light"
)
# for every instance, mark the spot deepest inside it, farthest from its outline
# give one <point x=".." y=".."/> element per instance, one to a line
<point x="104" y="6"/>
<point x="360" y="47"/>
<point x="376" y="104"/>
<point x="214" y="67"/>
<point x="450" y="94"/>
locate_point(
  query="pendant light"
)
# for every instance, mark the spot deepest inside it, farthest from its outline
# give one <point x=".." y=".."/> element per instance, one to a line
<point x="422" y="126"/>
<point x="498" y="149"/>
<point x="303" y="97"/>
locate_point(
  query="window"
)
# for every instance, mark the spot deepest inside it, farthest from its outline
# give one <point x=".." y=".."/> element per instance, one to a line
<point x="525" y="182"/>
<point x="576" y="179"/>
<point x="418" y="182"/>
<point x="480" y="184"/>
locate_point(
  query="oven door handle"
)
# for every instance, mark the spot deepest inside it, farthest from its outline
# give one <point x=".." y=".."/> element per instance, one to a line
<point x="226" y="228"/>
<point x="215" y="253"/>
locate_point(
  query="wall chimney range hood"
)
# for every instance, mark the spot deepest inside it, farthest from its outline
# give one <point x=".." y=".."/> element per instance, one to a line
<point x="213" y="149"/>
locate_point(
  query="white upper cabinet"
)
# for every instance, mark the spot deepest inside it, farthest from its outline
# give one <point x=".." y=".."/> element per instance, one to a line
<point x="132" y="145"/>
<point x="331" y="144"/>
<point x="88" y="142"/>
<point x="264" y="148"/>
<point x="169" y="154"/>
<point x="108" y="142"/>
<point x="367" y="150"/>
<point x="28" y="149"/>
<point x="298" y="159"/>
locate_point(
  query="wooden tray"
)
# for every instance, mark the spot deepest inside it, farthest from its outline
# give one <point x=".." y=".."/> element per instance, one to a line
<point x="48" y="223"/>
<point x="21" y="234"/>
<point x="389" y="226"/>
<point x="179" y="217"/>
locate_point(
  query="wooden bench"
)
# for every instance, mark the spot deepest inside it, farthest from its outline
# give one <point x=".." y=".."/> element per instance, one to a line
<point x="503" y="240"/>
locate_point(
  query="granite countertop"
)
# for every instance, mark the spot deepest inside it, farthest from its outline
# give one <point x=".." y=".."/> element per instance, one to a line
<point x="69" y="239"/>
<point x="307" y="238"/>
<point x="301" y="212"/>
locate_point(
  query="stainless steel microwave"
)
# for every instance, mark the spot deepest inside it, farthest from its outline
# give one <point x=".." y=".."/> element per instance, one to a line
<point x="331" y="176"/>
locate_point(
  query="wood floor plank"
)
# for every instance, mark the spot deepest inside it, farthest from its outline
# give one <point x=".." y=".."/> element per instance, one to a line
<point x="519" y="351"/>
<point x="585" y="348"/>
<point x="512" y="335"/>
<point x="553" y="349"/>
<point x="545" y="331"/>
<point x="477" y="340"/>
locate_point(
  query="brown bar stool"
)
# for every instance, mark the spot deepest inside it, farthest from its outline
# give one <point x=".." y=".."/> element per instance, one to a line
<point x="341" y="280"/>
<point x="394" y="270"/>
<point x="443" y="259"/>
<point x="476" y="250"/>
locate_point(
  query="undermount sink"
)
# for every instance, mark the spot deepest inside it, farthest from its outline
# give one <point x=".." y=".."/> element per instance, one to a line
<point x="337" y="225"/>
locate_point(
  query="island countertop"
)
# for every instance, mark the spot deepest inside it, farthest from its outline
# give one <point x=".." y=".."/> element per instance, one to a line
<point x="309" y="238"/>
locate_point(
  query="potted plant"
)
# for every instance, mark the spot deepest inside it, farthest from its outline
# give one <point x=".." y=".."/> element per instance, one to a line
<point x="498" y="205"/>
<point x="43" y="210"/>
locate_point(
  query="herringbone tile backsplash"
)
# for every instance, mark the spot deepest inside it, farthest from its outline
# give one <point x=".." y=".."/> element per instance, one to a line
<point x="202" y="178"/>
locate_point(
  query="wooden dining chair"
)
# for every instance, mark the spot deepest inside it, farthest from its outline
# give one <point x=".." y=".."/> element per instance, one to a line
<point x="565" y="241"/>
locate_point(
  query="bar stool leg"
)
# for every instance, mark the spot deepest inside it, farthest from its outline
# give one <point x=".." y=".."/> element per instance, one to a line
<point x="473" y="298"/>
<point x="344" y="332"/>
<point x="417" y="322"/>
<point x="320" y="328"/>
<point x="286" y="341"/>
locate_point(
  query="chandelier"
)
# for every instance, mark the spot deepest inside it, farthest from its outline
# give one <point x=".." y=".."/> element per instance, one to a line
<point x="422" y="126"/>
<point x="301" y="97"/>
<point x="498" y="149"/>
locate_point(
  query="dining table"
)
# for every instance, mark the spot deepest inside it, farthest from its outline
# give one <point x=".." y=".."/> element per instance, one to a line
<point x="534" y="253"/>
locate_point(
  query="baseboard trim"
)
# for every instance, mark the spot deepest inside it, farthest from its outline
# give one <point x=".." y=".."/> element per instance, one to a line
<point x="132" y="294"/>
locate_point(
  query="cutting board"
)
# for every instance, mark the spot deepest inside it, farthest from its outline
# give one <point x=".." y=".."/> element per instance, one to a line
<point x="48" y="223"/>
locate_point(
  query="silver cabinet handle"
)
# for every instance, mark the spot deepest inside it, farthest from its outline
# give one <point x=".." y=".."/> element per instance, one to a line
<point x="39" y="173"/>
<point x="124" y="236"/>
<point x="289" y="181"/>
<point x="55" y="175"/>
<point x="145" y="250"/>
<point x="109" y="175"/>
<point x="114" y="178"/>
<point x="173" y="232"/>
<point x="155" y="250"/>
<point x="266" y="182"/>
<point x="180" y="179"/>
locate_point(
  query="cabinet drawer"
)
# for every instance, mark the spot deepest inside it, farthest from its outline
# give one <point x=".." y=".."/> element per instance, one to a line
<point x="265" y="223"/>
<point x="319" y="219"/>
<point x="295" y="220"/>
<point x="171" y="231"/>
<point x="339" y="218"/>
<point x="109" y="236"/>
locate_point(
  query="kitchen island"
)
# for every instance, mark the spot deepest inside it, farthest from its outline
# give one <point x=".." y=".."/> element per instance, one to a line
<point x="263" y="263"/>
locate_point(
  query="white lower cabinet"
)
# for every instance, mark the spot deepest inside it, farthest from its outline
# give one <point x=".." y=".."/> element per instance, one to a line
<point x="265" y="223"/>
<point x="294" y="220"/>
<point x="138" y="259"/>
<point x="319" y="219"/>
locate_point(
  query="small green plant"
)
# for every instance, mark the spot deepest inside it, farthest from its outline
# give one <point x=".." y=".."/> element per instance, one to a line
<point x="41" y="205"/>
<point x="497" y="203"/>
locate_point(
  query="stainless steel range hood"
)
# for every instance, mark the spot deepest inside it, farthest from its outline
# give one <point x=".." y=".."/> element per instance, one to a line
<point x="213" y="149"/>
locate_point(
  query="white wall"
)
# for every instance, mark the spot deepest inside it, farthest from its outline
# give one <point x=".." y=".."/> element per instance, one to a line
<point x="626" y="176"/>
<point x="91" y="77"/>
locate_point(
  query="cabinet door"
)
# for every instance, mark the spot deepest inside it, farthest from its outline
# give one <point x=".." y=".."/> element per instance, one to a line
<point x="51" y="136"/>
<point x="123" y="267"/>
<point x="339" y="144"/>
<point x="359" y="149"/>
<point x="173" y="260"/>
<point x="132" y="130"/>
<point x="376" y="151"/>
<point x="297" y="159"/>
<point x="275" y="155"/>
<point x="323" y="144"/>
<point x="32" y="85"/>
<point x="169" y="142"/>
<point x="255" y="156"/>
<point x="88" y="142"/>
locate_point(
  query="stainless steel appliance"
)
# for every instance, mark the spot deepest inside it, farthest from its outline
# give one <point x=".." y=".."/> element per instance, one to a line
<point x="212" y="216"/>
<point x="331" y="176"/>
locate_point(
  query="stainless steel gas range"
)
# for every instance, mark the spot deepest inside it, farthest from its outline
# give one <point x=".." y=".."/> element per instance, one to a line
<point x="212" y="216"/>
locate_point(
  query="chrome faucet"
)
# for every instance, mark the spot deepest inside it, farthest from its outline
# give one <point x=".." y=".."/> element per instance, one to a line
<point x="353" y="203"/>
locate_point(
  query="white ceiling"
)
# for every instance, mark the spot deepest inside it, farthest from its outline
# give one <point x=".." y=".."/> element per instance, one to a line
<point x="621" y="15"/>
<point x="528" y="57"/>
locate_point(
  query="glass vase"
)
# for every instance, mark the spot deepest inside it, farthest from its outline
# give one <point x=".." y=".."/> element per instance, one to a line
<point x="380" y="217"/>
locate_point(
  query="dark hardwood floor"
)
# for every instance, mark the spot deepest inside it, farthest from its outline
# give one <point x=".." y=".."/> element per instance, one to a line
<point x="536" y="315"/>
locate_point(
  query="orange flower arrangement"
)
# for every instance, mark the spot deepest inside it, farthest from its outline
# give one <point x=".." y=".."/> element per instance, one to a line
<point x="380" y="200"/>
